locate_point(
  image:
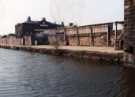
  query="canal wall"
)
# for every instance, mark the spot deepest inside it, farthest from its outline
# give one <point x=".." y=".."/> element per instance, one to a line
<point x="98" y="54"/>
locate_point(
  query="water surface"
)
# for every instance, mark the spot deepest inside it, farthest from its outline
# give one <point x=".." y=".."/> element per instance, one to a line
<point x="25" y="74"/>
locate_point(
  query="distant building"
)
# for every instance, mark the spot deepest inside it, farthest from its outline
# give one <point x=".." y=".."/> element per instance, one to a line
<point x="34" y="29"/>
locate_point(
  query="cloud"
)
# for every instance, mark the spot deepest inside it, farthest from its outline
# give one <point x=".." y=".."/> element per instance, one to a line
<point x="88" y="11"/>
<point x="78" y="11"/>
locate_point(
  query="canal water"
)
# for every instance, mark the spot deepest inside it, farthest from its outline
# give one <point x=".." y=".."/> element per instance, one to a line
<point x="25" y="74"/>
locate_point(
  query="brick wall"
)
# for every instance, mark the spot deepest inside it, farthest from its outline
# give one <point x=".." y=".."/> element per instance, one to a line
<point x="100" y="35"/>
<point x="56" y="36"/>
<point x="90" y="35"/>
<point x="130" y="22"/>
<point x="27" y="40"/>
<point x="13" y="41"/>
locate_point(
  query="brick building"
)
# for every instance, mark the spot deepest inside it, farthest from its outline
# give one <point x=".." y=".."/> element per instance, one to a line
<point x="32" y="30"/>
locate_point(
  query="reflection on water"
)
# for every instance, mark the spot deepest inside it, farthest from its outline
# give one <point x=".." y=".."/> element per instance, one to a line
<point x="24" y="74"/>
<point x="128" y="82"/>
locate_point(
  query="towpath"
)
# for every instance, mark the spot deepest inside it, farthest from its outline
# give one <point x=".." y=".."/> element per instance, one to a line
<point x="109" y="50"/>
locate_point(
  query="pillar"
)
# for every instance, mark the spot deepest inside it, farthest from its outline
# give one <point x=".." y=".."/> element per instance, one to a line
<point x="110" y="30"/>
<point x="129" y="34"/>
<point x="78" y="36"/>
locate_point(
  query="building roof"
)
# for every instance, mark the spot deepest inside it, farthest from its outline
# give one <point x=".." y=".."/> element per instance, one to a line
<point x="43" y="21"/>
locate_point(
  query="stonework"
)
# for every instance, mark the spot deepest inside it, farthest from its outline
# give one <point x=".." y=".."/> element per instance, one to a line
<point x="129" y="37"/>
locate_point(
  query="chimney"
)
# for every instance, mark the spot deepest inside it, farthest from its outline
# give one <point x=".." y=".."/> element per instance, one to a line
<point x="43" y="19"/>
<point x="29" y="19"/>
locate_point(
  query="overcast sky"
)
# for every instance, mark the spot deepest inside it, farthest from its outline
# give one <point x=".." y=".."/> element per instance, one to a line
<point x="80" y="12"/>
